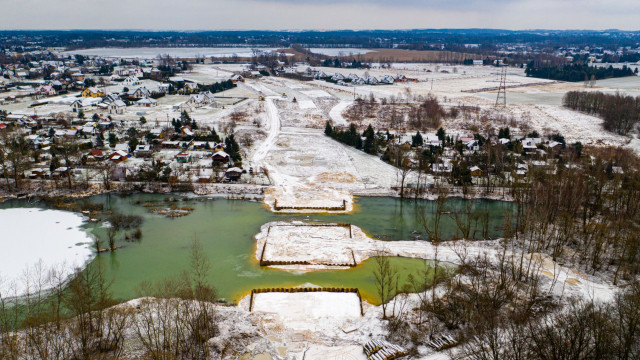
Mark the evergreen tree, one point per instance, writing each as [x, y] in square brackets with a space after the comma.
[133, 143]
[214, 136]
[417, 140]
[328, 130]
[184, 117]
[504, 133]
[112, 140]
[370, 146]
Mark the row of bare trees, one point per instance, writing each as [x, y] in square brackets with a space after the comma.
[620, 112]
[78, 319]
[585, 216]
[582, 331]
[17, 156]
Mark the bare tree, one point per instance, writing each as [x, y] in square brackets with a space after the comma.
[385, 276]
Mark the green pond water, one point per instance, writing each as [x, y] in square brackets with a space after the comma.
[226, 230]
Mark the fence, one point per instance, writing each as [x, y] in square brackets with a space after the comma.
[324, 208]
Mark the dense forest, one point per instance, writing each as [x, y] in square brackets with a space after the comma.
[424, 39]
[576, 72]
[620, 112]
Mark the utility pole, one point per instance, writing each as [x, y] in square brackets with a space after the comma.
[502, 90]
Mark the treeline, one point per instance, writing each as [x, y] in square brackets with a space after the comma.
[583, 331]
[409, 39]
[371, 143]
[353, 64]
[218, 86]
[620, 112]
[585, 217]
[576, 72]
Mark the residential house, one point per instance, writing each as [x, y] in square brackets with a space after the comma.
[131, 81]
[139, 93]
[400, 78]
[237, 78]
[92, 92]
[119, 156]
[189, 88]
[77, 76]
[116, 107]
[95, 155]
[371, 80]
[142, 151]
[186, 131]
[387, 80]
[337, 77]
[475, 171]
[89, 128]
[164, 88]
[84, 104]
[233, 174]
[220, 157]
[442, 167]
[46, 90]
[531, 144]
[147, 102]
[183, 157]
[157, 132]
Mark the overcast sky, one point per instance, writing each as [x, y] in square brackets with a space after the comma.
[319, 14]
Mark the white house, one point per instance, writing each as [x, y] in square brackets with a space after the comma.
[140, 92]
[387, 79]
[116, 107]
[147, 102]
[131, 81]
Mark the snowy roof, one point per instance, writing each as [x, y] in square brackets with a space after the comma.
[221, 153]
[147, 100]
[122, 147]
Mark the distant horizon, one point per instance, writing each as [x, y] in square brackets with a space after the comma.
[327, 15]
[321, 30]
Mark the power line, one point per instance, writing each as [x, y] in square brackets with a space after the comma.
[502, 90]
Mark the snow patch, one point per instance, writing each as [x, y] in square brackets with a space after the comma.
[34, 240]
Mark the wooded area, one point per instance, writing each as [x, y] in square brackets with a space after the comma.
[620, 112]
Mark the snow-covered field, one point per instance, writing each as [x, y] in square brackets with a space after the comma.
[340, 51]
[308, 169]
[297, 309]
[152, 53]
[35, 241]
[306, 239]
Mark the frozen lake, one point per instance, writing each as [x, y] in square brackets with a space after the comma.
[184, 52]
[32, 238]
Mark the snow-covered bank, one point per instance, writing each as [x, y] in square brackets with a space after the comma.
[318, 246]
[321, 245]
[34, 241]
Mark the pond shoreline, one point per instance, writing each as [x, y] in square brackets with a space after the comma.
[230, 191]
